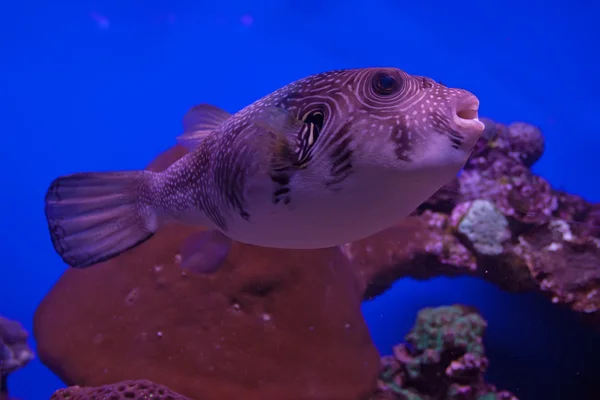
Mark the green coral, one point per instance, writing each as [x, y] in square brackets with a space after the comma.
[448, 327]
[443, 359]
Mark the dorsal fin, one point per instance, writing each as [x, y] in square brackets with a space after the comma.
[199, 122]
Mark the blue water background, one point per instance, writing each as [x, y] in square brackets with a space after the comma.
[101, 85]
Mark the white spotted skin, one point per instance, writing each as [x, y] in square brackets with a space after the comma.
[401, 153]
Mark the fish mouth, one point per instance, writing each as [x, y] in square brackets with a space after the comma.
[466, 115]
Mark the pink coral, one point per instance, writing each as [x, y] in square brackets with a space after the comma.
[529, 199]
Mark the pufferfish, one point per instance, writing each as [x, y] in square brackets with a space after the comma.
[325, 160]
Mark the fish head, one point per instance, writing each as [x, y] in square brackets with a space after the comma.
[396, 119]
[406, 122]
[383, 130]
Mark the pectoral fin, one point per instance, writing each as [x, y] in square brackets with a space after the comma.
[283, 130]
[204, 252]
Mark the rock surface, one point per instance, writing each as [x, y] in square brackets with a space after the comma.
[273, 324]
[499, 222]
[15, 352]
[128, 390]
[443, 358]
[251, 330]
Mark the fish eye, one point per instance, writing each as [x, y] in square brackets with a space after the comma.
[384, 84]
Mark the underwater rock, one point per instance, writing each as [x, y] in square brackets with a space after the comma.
[443, 358]
[15, 353]
[566, 266]
[443, 200]
[507, 226]
[128, 390]
[268, 324]
[252, 328]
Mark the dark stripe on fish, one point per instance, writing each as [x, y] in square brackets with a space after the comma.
[230, 177]
[282, 192]
[402, 141]
[341, 157]
[456, 138]
[307, 138]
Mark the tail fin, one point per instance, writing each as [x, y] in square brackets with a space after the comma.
[93, 217]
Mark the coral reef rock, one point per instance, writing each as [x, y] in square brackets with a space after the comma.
[281, 324]
[442, 359]
[497, 221]
[15, 353]
[268, 324]
[129, 390]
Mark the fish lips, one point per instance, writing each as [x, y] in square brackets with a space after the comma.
[465, 118]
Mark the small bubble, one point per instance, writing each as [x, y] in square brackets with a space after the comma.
[266, 317]
[237, 306]
[159, 334]
[347, 326]
[158, 268]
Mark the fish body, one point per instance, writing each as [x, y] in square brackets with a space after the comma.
[325, 160]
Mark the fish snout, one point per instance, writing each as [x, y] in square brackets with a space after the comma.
[465, 116]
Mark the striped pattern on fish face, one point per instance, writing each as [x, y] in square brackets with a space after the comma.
[386, 118]
[381, 142]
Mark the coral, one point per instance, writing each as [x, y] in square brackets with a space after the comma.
[520, 141]
[507, 226]
[483, 225]
[524, 142]
[128, 390]
[443, 358]
[15, 353]
[252, 328]
[444, 199]
[592, 221]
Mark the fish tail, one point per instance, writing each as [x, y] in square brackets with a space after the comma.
[93, 217]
